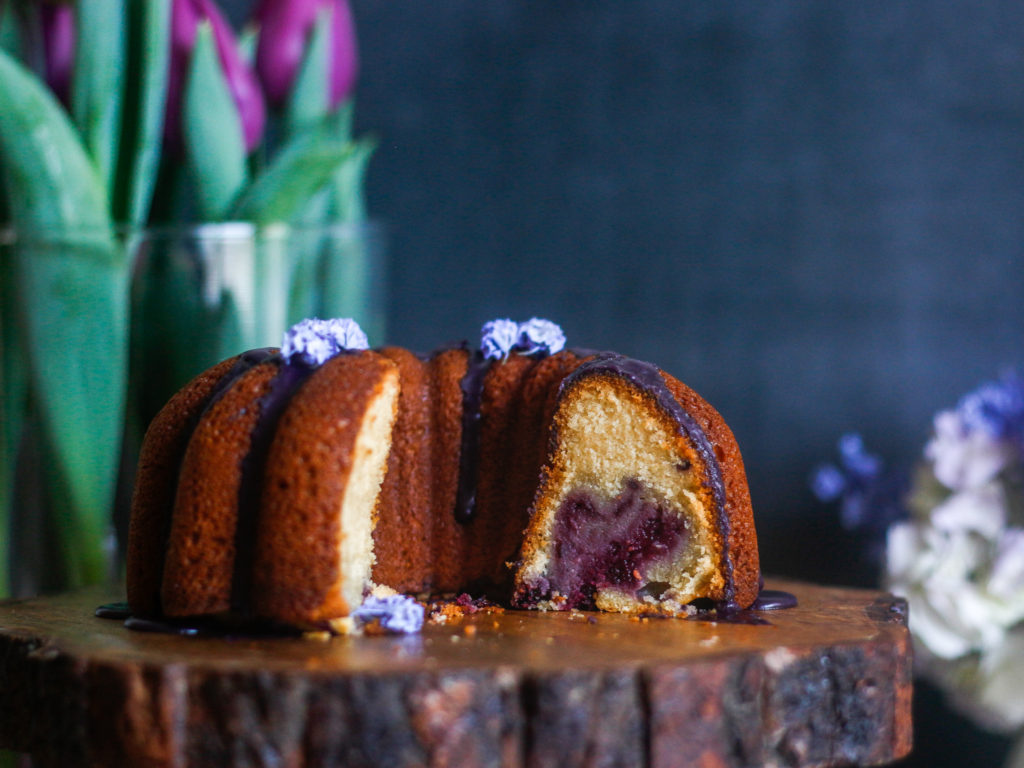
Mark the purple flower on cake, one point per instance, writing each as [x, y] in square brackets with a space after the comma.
[394, 613]
[314, 341]
[538, 335]
[499, 338]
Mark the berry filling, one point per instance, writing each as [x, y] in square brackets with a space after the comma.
[601, 543]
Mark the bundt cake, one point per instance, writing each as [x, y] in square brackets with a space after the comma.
[283, 484]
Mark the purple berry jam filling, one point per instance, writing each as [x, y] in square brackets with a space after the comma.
[600, 544]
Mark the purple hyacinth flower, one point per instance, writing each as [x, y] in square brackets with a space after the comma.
[185, 18]
[996, 407]
[285, 28]
[59, 47]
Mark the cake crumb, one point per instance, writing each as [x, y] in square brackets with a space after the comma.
[469, 630]
[346, 625]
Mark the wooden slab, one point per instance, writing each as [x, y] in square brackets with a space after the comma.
[827, 683]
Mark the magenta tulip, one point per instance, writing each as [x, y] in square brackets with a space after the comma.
[241, 80]
[58, 22]
[285, 28]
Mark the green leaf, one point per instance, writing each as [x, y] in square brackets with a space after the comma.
[302, 168]
[10, 34]
[72, 308]
[96, 88]
[149, 25]
[50, 179]
[213, 130]
[339, 122]
[248, 40]
[309, 100]
[13, 389]
[74, 315]
[348, 182]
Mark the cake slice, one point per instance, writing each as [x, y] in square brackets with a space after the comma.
[314, 539]
[642, 505]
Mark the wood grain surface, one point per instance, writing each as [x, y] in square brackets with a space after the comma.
[826, 683]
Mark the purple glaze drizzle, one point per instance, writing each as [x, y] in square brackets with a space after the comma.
[647, 377]
[245, 362]
[774, 600]
[283, 387]
[116, 611]
[472, 386]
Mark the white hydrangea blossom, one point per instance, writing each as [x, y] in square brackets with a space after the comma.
[960, 564]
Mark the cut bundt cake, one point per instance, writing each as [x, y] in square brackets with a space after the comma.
[642, 505]
[284, 484]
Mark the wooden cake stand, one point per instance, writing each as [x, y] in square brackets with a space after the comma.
[826, 683]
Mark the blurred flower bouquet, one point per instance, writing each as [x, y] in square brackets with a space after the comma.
[170, 193]
[954, 546]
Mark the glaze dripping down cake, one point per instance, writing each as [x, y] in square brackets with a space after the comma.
[284, 484]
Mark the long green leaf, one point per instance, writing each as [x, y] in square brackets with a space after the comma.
[71, 279]
[51, 181]
[96, 89]
[347, 185]
[309, 100]
[12, 406]
[213, 131]
[10, 35]
[302, 168]
[74, 311]
[149, 25]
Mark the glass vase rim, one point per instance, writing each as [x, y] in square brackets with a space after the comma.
[11, 234]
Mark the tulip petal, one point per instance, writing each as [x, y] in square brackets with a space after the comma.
[214, 141]
[96, 86]
[309, 100]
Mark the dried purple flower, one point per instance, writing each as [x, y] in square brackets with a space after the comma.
[539, 335]
[498, 337]
[314, 341]
[394, 613]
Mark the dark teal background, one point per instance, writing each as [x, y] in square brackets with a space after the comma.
[811, 212]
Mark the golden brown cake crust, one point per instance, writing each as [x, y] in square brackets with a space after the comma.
[742, 544]
[404, 532]
[449, 545]
[297, 575]
[153, 499]
[199, 569]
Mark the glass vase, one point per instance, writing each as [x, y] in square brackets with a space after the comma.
[99, 329]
